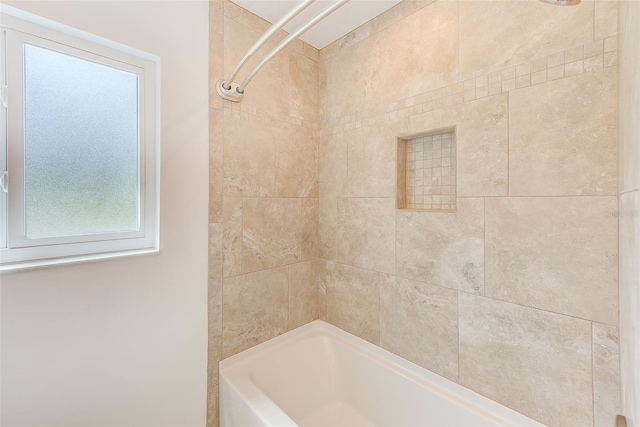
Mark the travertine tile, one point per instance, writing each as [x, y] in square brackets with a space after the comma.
[232, 236]
[272, 233]
[345, 76]
[328, 227]
[523, 81]
[215, 320]
[508, 85]
[606, 375]
[561, 143]
[606, 18]
[557, 254]
[430, 177]
[323, 112]
[232, 10]
[481, 142]
[296, 162]
[322, 291]
[296, 46]
[371, 165]
[377, 24]
[610, 44]
[303, 95]
[574, 54]
[594, 49]
[523, 69]
[629, 217]
[244, 17]
[310, 239]
[593, 63]
[443, 249]
[249, 159]
[555, 73]
[429, 58]
[255, 308]
[216, 230]
[353, 298]
[420, 323]
[310, 52]
[556, 59]
[420, 52]
[539, 64]
[265, 91]
[539, 77]
[573, 68]
[216, 233]
[212, 383]
[509, 73]
[303, 293]
[518, 31]
[332, 172]
[401, 173]
[610, 59]
[495, 88]
[366, 233]
[216, 138]
[536, 362]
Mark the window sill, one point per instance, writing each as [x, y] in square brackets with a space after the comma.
[44, 263]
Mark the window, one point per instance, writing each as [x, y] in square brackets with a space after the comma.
[80, 145]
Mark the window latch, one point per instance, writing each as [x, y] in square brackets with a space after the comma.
[3, 95]
[4, 181]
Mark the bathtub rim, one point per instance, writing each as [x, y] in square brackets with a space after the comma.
[236, 372]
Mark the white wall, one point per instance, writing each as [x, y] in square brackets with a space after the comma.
[123, 342]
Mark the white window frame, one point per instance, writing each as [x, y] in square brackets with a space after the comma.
[17, 251]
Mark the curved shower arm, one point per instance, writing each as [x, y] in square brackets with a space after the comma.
[262, 40]
[291, 37]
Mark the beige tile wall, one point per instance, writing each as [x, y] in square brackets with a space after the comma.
[263, 251]
[515, 294]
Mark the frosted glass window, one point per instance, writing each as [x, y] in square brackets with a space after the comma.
[81, 172]
[81, 146]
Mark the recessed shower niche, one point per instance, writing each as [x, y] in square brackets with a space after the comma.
[426, 171]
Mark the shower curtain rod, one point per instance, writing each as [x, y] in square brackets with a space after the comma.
[225, 87]
[263, 39]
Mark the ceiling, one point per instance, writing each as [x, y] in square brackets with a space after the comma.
[342, 21]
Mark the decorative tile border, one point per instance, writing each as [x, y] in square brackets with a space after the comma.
[577, 60]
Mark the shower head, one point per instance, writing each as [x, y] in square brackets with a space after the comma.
[562, 2]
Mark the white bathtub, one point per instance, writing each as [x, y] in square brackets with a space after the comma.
[319, 375]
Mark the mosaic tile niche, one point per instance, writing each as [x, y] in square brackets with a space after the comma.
[427, 172]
